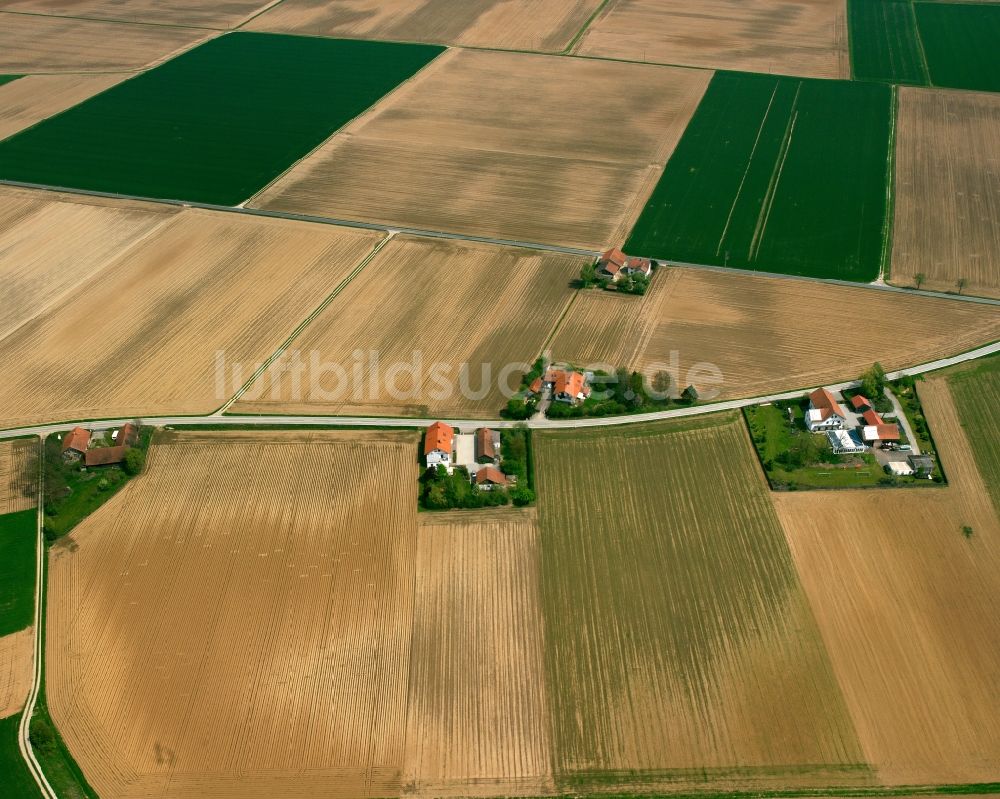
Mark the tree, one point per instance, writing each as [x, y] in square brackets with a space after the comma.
[588, 275]
[135, 459]
[961, 283]
[518, 408]
[919, 279]
[522, 495]
[873, 381]
[663, 384]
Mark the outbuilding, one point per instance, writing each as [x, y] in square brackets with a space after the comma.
[75, 443]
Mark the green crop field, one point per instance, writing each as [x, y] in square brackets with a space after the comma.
[885, 45]
[976, 393]
[8, 78]
[779, 175]
[962, 42]
[15, 779]
[18, 537]
[215, 124]
[680, 646]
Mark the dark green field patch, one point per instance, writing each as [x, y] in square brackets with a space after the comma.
[885, 45]
[776, 174]
[215, 124]
[8, 78]
[18, 538]
[15, 779]
[962, 43]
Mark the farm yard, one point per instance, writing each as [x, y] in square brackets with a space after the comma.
[802, 37]
[947, 224]
[30, 43]
[478, 722]
[50, 244]
[755, 184]
[261, 592]
[505, 24]
[905, 602]
[499, 308]
[36, 97]
[679, 641]
[18, 475]
[764, 333]
[152, 346]
[216, 124]
[457, 149]
[190, 13]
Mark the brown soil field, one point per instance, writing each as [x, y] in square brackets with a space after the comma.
[50, 244]
[142, 336]
[16, 664]
[442, 302]
[788, 37]
[458, 149]
[478, 720]
[762, 332]
[506, 24]
[680, 642]
[907, 608]
[31, 43]
[948, 190]
[237, 620]
[18, 475]
[31, 99]
[225, 14]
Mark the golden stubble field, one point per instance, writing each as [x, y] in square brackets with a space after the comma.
[680, 642]
[948, 190]
[143, 334]
[432, 305]
[31, 43]
[237, 621]
[788, 37]
[18, 475]
[223, 14]
[506, 24]
[766, 334]
[478, 720]
[459, 149]
[51, 243]
[31, 99]
[16, 665]
[907, 608]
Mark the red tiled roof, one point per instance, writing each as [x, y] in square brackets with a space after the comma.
[76, 439]
[613, 257]
[570, 383]
[128, 434]
[887, 432]
[859, 401]
[491, 474]
[484, 444]
[103, 456]
[871, 417]
[641, 264]
[439, 436]
[825, 403]
[536, 385]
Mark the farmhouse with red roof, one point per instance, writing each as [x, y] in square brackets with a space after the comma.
[824, 412]
[614, 264]
[75, 443]
[439, 445]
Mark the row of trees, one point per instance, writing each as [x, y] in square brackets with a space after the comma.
[920, 278]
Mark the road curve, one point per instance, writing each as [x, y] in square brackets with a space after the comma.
[540, 424]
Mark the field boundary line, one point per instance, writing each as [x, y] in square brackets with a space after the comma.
[112, 21]
[305, 323]
[24, 728]
[276, 420]
[253, 15]
[920, 45]
[889, 224]
[772, 187]
[568, 49]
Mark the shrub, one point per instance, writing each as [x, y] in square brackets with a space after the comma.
[522, 495]
[135, 459]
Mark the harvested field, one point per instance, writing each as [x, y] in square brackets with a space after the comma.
[975, 390]
[216, 124]
[789, 37]
[195, 13]
[16, 664]
[241, 583]
[36, 97]
[679, 641]
[18, 475]
[757, 183]
[498, 309]
[478, 720]
[906, 604]
[507, 24]
[458, 149]
[757, 330]
[51, 244]
[142, 337]
[948, 191]
[31, 43]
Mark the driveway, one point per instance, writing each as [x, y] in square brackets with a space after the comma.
[903, 422]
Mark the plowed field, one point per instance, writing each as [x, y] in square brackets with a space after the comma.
[16, 663]
[18, 475]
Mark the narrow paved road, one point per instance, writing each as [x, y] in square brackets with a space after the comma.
[542, 424]
[904, 422]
